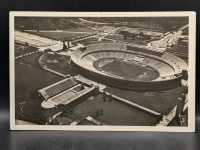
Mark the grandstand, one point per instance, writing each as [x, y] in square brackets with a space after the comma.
[57, 88]
[169, 39]
[142, 69]
[64, 92]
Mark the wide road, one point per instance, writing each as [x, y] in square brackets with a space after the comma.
[41, 43]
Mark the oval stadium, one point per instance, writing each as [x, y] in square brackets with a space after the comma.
[129, 67]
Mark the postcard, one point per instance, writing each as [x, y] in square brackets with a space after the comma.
[102, 71]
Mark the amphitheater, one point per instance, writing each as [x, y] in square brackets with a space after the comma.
[136, 68]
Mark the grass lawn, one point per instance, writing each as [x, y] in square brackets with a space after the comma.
[29, 77]
[59, 63]
[112, 112]
[61, 35]
[159, 101]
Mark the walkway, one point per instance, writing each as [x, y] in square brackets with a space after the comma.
[55, 72]
[136, 105]
[26, 54]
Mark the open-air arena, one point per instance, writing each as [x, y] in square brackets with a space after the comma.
[100, 71]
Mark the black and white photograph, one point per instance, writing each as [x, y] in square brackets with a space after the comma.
[102, 71]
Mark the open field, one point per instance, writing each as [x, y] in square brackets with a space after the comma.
[29, 77]
[59, 63]
[62, 35]
[111, 112]
[160, 101]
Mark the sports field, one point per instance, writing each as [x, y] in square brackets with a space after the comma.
[62, 35]
[129, 71]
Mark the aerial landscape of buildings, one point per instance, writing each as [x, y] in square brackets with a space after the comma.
[129, 71]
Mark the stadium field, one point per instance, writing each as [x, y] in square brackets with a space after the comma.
[130, 71]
